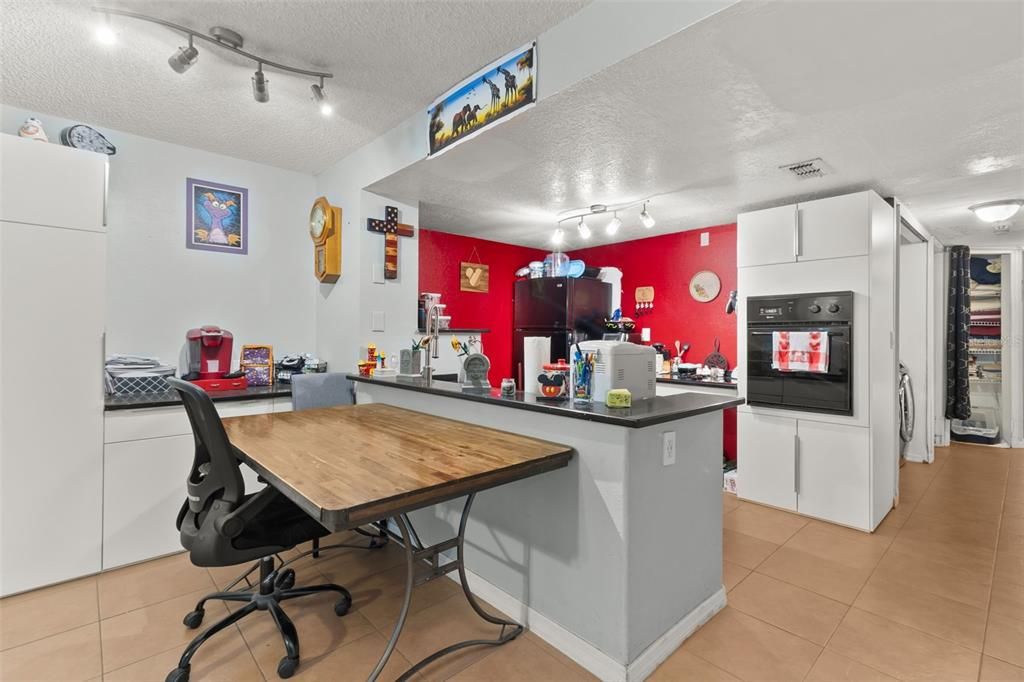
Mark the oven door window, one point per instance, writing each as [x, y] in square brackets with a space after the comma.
[827, 392]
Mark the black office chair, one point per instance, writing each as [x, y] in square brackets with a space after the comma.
[222, 526]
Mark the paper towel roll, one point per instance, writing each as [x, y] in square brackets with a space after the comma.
[536, 352]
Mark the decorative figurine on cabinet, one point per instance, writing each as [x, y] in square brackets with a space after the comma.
[32, 128]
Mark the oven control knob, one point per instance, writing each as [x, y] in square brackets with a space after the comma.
[815, 308]
[833, 308]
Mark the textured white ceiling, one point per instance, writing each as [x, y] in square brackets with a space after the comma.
[918, 100]
[390, 59]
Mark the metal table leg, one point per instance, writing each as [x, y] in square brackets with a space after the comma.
[509, 629]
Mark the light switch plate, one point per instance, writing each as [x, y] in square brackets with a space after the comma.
[705, 238]
[377, 321]
[645, 334]
[378, 273]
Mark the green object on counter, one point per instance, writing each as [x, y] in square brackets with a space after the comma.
[619, 397]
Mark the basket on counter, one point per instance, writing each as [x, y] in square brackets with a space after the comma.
[258, 364]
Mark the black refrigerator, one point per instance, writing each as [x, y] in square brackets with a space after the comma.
[566, 309]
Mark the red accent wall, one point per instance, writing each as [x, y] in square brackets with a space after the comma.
[667, 262]
[440, 256]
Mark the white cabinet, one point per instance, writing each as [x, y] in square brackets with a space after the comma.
[143, 489]
[833, 472]
[146, 459]
[52, 185]
[767, 459]
[52, 302]
[766, 237]
[811, 467]
[836, 227]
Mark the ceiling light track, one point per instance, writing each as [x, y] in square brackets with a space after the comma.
[580, 214]
[222, 38]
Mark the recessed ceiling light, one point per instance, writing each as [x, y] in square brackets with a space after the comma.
[104, 32]
[997, 211]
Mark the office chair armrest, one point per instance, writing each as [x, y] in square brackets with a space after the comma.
[232, 524]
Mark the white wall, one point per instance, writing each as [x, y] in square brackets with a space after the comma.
[157, 289]
[567, 55]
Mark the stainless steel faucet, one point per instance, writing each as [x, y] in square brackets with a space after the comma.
[433, 323]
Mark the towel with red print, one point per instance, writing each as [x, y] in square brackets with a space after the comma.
[800, 352]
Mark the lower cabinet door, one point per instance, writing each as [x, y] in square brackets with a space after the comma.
[834, 473]
[766, 459]
[143, 490]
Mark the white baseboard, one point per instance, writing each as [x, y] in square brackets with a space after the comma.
[595, 661]
[644, 665]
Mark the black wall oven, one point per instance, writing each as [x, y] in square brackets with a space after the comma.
[828, 389]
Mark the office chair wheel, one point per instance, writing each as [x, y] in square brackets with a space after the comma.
[177, 675]
[285, 669]
[192, 620]
[342, 606]
[286, 579]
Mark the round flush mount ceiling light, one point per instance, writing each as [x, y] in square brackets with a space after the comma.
[997, 211]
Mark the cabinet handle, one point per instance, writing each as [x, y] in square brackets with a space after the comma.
[796, 232]
[796, 464]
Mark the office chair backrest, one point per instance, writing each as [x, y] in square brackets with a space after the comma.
[310, 391]
[215, 474]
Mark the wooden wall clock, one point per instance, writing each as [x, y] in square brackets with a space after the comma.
[325, 231]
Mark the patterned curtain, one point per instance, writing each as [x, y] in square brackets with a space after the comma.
[958, 322]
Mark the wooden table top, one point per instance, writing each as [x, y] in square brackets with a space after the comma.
[354, 464]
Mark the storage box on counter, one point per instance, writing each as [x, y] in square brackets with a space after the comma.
[127, 384]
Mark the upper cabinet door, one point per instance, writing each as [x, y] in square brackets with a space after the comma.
[837, 227]
[766, 237]
[52, 185]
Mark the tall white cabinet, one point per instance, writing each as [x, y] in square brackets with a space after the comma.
[839, 468]
[52, 309]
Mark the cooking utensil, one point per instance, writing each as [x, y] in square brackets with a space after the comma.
[716, 360]
[679, 349]
[686, 348]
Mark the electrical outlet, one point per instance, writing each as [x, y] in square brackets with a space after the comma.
[668, 448]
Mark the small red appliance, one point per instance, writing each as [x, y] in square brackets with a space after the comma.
[209, 359]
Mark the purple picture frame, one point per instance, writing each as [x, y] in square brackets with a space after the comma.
[217, 217]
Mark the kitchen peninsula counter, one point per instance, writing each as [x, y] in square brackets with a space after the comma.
[615, 559]
[642, 413]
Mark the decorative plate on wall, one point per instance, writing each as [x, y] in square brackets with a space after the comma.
[705, 286]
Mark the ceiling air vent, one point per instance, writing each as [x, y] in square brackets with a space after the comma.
[815, 168]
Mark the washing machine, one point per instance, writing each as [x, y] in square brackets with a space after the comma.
[906, 401]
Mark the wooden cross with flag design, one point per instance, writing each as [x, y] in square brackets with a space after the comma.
[392, 230]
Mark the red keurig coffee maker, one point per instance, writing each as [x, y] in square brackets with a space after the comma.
[209, 359]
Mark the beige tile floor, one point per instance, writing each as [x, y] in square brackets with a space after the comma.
[937, 593]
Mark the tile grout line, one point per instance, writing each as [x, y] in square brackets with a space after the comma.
[999, 528]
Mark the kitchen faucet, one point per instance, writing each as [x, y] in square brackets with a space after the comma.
[433, 323]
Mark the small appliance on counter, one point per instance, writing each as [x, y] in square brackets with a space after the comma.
[208, 352]
[297, 364]
[622, 365]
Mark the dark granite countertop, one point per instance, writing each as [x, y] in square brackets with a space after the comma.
[134, 401]
[648, 412]
[694, 381]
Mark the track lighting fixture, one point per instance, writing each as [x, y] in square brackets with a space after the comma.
[646, 218]
[260, 86]
[320, 97]
[223, 38]
[182, 60]
[611, 228]
[558, 237]
[613, 225]
[583, 229]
